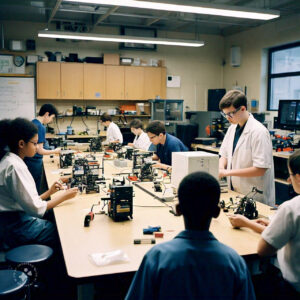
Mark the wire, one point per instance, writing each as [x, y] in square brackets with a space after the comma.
[84, 123]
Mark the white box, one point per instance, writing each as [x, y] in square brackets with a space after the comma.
[184, 163]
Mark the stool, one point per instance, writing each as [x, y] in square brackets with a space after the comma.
[30, 259]
[13, 284]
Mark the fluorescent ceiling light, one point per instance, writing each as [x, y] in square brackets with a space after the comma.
[118, 38]
[192, 7]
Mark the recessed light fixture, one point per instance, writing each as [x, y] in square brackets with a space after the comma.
[191, 7]
[118, 38]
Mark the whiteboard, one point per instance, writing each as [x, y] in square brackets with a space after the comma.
[17, 98]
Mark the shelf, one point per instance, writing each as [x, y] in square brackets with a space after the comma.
[135, 116]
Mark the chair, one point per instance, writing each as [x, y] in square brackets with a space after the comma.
[13, 285]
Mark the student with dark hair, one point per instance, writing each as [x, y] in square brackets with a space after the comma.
[194, 265]
[166, 144]
[21, 208]
[141, 140]
[113, 133]
[35, 164]
[281, 235]
[246, 151]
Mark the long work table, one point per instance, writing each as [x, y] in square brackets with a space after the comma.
[104, 235]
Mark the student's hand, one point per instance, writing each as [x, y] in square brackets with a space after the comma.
[223, 173]
[130, 144]
[57, 151]
[56, 186]
[161, 166]
[262, 221]
[238, 221]
[70, 193]
[64, 179]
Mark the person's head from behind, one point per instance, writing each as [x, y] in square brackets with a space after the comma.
[105, 119]
[20, 136]
[294, 171]
[156, 131]
[199, 195]
[233, 105]
[136, 126]
[48, 112]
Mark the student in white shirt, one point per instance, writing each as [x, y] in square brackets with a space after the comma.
[141, 140]
[282, 235]
[113, 133]
[21, 208]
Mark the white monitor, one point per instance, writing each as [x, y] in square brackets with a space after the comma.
[184, 163]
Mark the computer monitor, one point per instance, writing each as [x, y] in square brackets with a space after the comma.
[289, 114]
[213, 99]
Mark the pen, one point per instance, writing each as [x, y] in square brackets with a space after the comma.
[144, 241]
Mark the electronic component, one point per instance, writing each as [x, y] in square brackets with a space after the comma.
[120, 203]
[66, 158]
[95, 145]
[247, 205]
[144, 241]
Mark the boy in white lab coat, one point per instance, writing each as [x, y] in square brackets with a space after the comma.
[141, 140]
[246, 151]
[113, 134]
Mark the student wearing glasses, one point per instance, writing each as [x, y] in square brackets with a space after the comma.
[35, 164]
[21, 207]
[246, 157]
[165, 144]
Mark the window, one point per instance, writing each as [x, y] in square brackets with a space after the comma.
[284, 74]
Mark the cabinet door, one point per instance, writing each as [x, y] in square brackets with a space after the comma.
[48, 80]
[153, 83]
[115, 82]
[71, 80]
[93, 81]
[134, 83]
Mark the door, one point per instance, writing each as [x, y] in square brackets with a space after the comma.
[134, 83]
[115, 82]
[48, 80]
[93, 81]
[72, 81]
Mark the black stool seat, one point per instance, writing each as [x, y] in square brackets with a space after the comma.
[11, 282]
[29, 254]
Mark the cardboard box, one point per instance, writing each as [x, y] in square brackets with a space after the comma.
[143, 108]
[111, 59]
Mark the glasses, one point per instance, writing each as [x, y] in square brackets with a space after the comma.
[34, 143]
[230, 114]
[152, 137]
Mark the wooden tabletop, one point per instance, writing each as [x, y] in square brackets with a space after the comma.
[104, 235]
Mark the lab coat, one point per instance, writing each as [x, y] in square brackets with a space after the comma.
[113, 133]
[254, 149]
[142, 141]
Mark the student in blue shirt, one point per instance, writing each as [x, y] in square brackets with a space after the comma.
[166, 144]
[35, 164]
[194, 265]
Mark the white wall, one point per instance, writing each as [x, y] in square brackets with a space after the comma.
[254, 45]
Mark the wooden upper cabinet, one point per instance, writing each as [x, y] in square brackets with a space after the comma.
[153, 83]
[163, 90]
[134, 83]
[94, 82]
[48, 80]
[71, 81]
[115, 82]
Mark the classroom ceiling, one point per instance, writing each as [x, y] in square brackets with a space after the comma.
[86, 17]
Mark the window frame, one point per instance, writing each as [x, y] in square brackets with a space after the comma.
[278, 75]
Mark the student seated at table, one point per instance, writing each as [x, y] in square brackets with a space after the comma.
[141, 140]
[21, 208]
[282, 235]
[194, 265]
[113, 133]
[165, 144]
